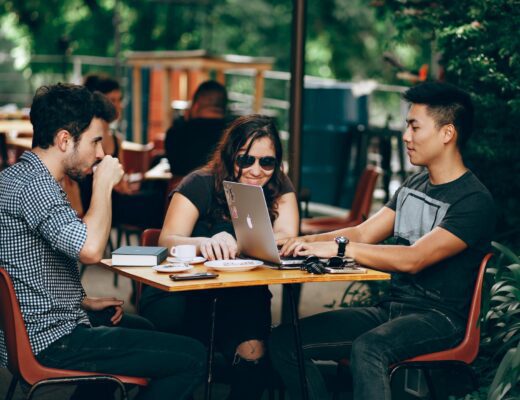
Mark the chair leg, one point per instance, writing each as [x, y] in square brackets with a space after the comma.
[58, 381]
[473, 378]
[341, 372]
[429, 383]
[12, 387]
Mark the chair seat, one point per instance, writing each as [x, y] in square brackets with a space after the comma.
[21, 361]
[40, 372]
[360, 210]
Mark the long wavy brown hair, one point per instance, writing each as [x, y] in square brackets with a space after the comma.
[222, 165]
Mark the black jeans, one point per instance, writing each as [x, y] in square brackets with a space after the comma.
[373, 338]
[243, 313]
[175, 364]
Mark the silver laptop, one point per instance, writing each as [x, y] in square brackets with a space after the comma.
[253, 229]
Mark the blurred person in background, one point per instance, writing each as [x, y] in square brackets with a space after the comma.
[191, 141]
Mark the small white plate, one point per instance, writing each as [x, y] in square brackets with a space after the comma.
[233, 265]
[177, 267]
[194, 260]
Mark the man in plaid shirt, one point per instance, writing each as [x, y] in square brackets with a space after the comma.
[42, 238]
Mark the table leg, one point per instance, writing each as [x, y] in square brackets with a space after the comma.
[211, 349]
[298, 342]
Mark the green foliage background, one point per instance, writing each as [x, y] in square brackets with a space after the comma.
[477, 41]
[480, 50]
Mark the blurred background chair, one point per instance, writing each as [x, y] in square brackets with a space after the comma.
[23, 364]
[360, 210]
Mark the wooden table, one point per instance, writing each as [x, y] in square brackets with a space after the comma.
[257, 277]
[16, 125]
[20, 142]
[161, 172]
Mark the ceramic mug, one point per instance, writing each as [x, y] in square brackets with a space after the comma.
[184, 252]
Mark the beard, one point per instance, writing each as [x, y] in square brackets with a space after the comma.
[74, 168]
[76, 174]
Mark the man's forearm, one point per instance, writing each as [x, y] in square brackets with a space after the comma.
[99, 222]
[352, 233]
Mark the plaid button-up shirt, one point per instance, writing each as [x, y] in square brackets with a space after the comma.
[40, 240]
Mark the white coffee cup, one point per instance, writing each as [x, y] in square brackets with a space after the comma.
[184, 252]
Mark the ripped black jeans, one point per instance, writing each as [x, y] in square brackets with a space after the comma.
[243, 313]
[372, 338]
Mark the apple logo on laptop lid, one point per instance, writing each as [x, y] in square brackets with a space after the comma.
[249, 221]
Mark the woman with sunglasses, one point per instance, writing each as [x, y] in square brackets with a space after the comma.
[250, 152]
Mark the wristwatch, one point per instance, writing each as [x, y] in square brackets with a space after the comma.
[342, 242]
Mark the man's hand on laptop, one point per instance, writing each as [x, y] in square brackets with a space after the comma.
[288, 245]
[101, 303]
[320, 249]
[221, 246]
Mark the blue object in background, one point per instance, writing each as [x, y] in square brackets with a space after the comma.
[328, 145]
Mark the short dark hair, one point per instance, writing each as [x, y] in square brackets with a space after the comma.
[103, 108]
[99, 82]
[211, 94]
[446, 104]
[57, 107]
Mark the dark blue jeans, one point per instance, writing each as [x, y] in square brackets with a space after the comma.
[372, 338]
[175, 364]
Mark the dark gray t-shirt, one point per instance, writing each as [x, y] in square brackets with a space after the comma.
[199, 188]
[463, 207]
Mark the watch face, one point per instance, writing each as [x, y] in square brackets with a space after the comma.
[340, 239]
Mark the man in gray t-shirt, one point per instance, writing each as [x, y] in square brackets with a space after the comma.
[442, 220]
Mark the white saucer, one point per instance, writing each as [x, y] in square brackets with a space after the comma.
[176, 267]
[233, 265]
[194, 260]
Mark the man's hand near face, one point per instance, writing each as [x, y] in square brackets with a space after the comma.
[108, 173]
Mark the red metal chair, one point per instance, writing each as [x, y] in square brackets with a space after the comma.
[23, 364]
[359, 211]
[462, 355]
[149, 237]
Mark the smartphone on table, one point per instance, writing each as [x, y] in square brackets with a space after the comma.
[193, 276]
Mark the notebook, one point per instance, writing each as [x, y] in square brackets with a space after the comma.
[253, 229]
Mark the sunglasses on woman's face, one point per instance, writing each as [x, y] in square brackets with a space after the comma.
[246, 161]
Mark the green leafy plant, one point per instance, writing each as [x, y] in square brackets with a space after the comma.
[478, 45]
[504, 385]
[498, 363]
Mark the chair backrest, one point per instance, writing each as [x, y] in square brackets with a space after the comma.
[362, 201]
[21, 359]
[467, 350]
[11, 321]
[150, 237]
[136, 157]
